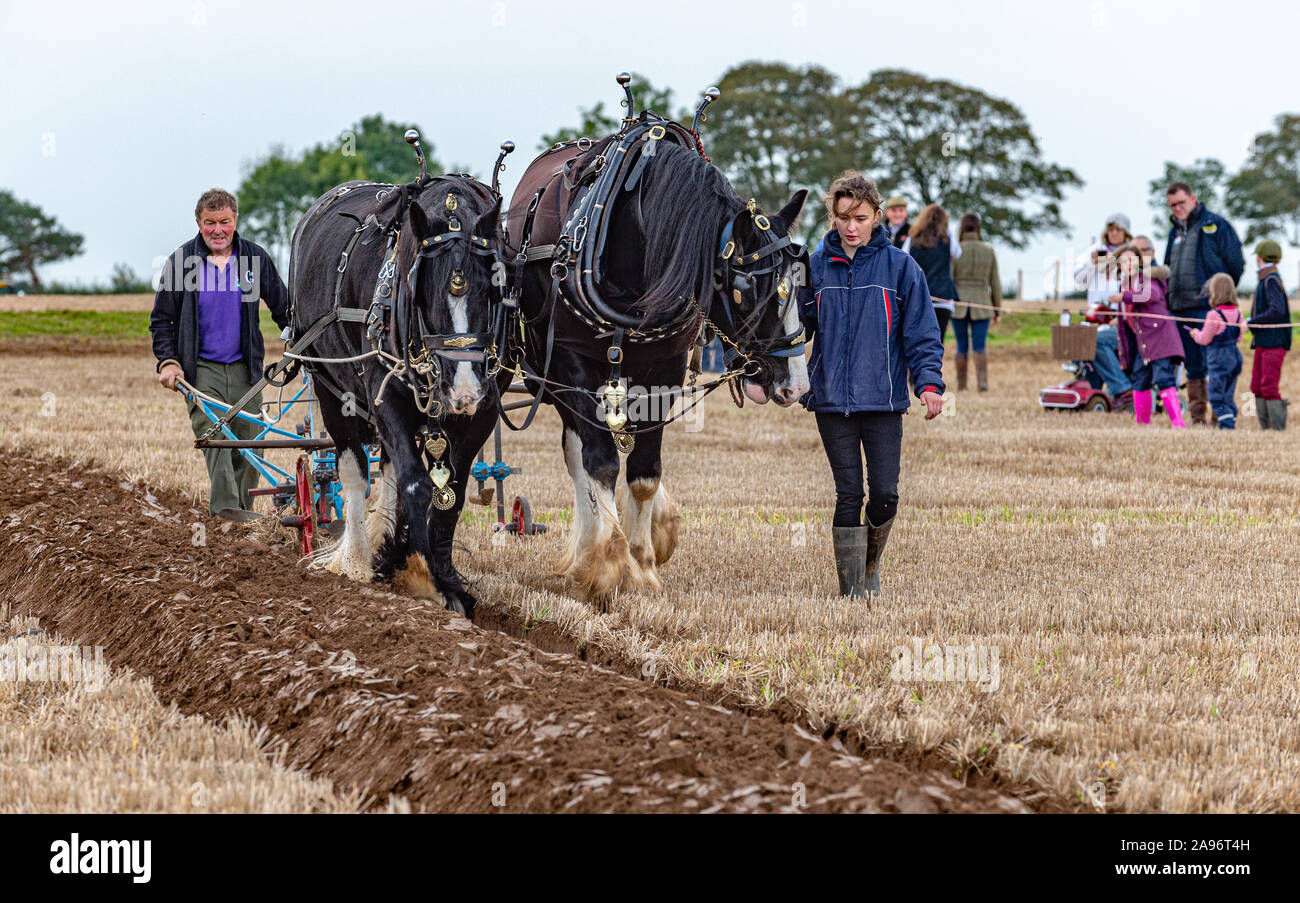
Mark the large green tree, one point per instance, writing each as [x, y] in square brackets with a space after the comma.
[1266, 190]
[597, 122]
[1206, 177]
[279, 187]
[30, 237]
[777, 128]
[276, 192]
[936, 141]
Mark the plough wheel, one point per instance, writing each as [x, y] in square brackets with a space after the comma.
[306, 505]
[522, 517]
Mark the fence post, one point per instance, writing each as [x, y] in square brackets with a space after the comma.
[1020, 285]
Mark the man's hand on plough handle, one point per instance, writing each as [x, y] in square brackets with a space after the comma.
[169, 375]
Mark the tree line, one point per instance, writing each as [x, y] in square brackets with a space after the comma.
[775, 129]
[1264, 193]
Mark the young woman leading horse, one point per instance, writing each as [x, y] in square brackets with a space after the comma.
[874, 323]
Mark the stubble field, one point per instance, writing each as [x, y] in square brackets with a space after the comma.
[1129, 593]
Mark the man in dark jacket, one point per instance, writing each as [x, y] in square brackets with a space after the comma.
[1201, 244]
[1270, 344]
[206, 329]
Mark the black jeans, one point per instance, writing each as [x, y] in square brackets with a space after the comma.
[846, 437]
[943, 315]
[1193, 352]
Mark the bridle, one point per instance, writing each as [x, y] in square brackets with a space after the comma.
[452, 346]
[417, 348]
[736, 274]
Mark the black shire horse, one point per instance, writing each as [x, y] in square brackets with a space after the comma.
[649, 237]
[412, 270]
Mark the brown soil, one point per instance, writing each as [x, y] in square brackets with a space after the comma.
[383, 692]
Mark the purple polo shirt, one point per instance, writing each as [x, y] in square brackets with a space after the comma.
[219, 312]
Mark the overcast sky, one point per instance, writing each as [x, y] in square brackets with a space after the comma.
[118, 115]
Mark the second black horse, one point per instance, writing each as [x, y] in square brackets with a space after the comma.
[623, 247]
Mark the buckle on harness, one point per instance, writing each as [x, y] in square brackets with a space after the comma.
[614, 355]
[659, 129]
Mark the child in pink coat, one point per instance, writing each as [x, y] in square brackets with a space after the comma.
[1148, 344]
[1222, 332]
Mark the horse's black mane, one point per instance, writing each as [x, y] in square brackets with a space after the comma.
[690, 200]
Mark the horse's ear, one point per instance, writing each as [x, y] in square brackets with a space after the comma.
[790, 212]
[486, 226]
[743, 229]
[419, 221]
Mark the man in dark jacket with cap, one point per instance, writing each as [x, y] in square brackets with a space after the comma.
[1271, 344]
[1201, 244]
[896, 220]
[206, 329]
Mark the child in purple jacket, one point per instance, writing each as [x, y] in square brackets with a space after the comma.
[1153, 339]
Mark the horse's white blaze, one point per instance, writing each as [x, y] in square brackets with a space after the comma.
[465, 389]
[351, 555]
[796, 383]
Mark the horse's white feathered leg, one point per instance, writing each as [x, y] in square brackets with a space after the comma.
[350, 557]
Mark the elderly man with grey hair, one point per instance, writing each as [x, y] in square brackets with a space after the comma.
[206, 330]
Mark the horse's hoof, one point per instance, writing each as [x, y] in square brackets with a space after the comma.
[461, 604]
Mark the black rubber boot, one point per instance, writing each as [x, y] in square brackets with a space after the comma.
[876, 539]
[850, 559]
[1261, 412]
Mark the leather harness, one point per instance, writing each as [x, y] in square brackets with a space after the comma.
[591, 183]
[393, 322]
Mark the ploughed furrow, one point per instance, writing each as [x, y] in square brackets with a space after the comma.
[393, 696]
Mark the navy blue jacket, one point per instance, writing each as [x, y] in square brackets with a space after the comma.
[936, 263]
[1270, 307]
[1218, 250]
[873, 323]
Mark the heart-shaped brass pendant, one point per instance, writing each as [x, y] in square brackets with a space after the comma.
[440, 474]
[436, 445]
[614, 394]
[616, 419]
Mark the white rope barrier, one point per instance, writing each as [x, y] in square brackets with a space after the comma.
[1116, 313]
